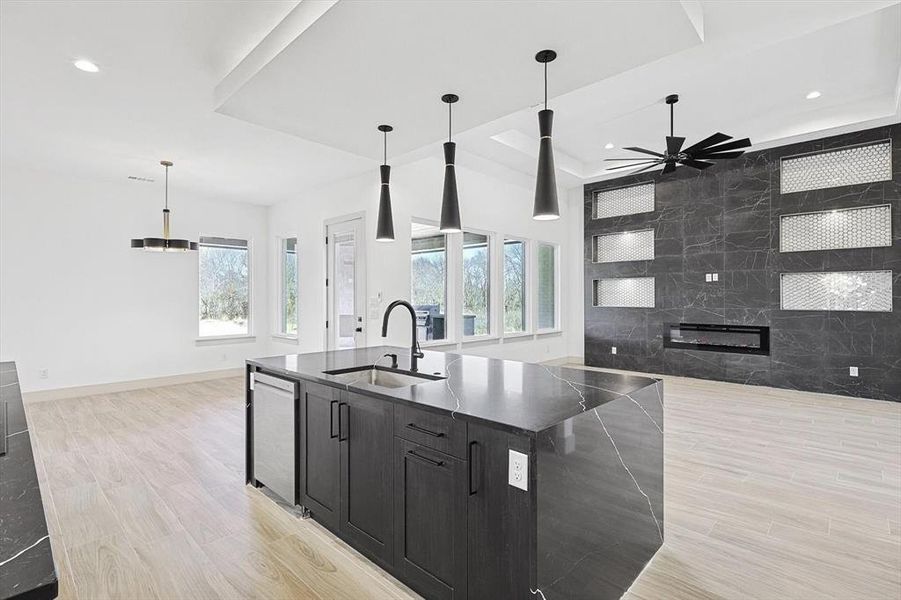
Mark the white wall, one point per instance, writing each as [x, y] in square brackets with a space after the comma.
[486, 204]
[575, 303]
[77, 301]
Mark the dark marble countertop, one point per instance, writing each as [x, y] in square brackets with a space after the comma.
[518, 396]
[26, 560]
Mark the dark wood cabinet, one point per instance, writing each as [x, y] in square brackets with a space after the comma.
[500, 518]
[430, 494]
[366, 436]
[319, 453]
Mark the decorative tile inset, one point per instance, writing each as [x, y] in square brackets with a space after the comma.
[624, 246]
[625, 292]
[865, 227]
[851, 165]
[869, 291]
[623, 201]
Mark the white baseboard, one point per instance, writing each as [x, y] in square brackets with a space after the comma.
[124, 386]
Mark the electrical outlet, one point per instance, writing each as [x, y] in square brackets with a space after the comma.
[852, 371]
[613, 350]
[708, 277]
[43, 373]
[518, 472]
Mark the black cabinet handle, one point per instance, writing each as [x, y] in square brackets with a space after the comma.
[331, 420]
[437, 463]
[474, 471]
[342, 435]
[416, 427]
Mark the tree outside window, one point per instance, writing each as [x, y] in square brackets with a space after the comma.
[224, 287]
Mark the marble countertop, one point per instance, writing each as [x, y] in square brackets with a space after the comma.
[26, 560]
[518, 396]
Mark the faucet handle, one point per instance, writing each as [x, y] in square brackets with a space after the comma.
[393, 359]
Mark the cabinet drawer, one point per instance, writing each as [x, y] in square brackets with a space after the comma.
[441, 432]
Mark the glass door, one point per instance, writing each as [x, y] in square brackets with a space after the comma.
[345, 285]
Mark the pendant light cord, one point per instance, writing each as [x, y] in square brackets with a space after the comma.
[545, 86]
[672, 108]
[449, 129]
[167, 188]
[385, 161]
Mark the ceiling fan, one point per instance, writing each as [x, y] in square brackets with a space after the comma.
[696, 156]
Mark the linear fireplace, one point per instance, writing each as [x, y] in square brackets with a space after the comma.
[742, 339]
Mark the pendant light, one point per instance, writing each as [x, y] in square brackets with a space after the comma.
[450, 204]
[165, 243]
[546, 207]
[385, 230]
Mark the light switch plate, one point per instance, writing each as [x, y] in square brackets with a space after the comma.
[708, 277]
[518, 470]
[852, 371]
[716, 276]
[613, 350]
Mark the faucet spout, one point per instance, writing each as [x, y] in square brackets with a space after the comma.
[415, 352]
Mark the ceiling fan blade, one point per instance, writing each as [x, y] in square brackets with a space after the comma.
[733, 145]
[696, 164]
[674, 144]
[714, 139]
[632, 166]
[634, 158]
[669, 168]
[718, 155]
[642, 150]
[644, 169]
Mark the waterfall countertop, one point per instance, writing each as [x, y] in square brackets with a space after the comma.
[518, 396]
[26, 560]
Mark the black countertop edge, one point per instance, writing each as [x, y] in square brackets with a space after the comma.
[27, 571]
[519, 397]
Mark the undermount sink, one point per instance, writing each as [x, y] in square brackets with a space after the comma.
[380, 376]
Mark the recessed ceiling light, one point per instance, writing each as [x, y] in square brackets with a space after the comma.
[813, 94]
[608, 146]
[86, 66]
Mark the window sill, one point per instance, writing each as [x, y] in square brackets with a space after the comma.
[549, 332]
[436, 343]
[517, 335]
[475, 339]
[225, 339]
[285, 338]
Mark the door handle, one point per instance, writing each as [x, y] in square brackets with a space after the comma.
[416, 427]
[474, 474]
[436, 463]
[342, 435]
[331, 420]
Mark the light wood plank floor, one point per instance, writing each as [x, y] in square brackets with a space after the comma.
[769, 494]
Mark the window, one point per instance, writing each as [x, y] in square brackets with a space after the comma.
[476, 284]
[287, 298]
[224, 287]
[514, 286]
[428, 281]
[547, 292]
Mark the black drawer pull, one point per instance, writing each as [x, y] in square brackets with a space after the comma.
[342, 434]
[332, 433]
[437, 463]
[474, 470]
[416, 427]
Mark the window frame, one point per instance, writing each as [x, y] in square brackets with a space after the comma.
[250, 292]
[557, 327]
[450, 250]
[492, 288]
[280, 332]
[527, 287]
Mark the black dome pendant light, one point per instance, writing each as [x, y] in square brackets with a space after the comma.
[450, 204]
[165, 243]
[385, 230]
[546, 207]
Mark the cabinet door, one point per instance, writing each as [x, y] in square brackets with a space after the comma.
[500, 518]
[366, 435]
[430, 521]
[319, 453]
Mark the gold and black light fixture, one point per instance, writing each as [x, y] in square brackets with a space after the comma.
[450, 204]
[165, 243]
[385, 229]
[545, 207]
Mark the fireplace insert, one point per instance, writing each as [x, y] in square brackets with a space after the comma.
[741, 339]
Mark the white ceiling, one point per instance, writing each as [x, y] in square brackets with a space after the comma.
[306, 92]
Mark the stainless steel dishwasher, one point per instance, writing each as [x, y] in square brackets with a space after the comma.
[274, 425]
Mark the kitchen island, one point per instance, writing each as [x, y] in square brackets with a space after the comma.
[473, 477]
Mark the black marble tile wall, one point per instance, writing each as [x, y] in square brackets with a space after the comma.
[725, 220]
